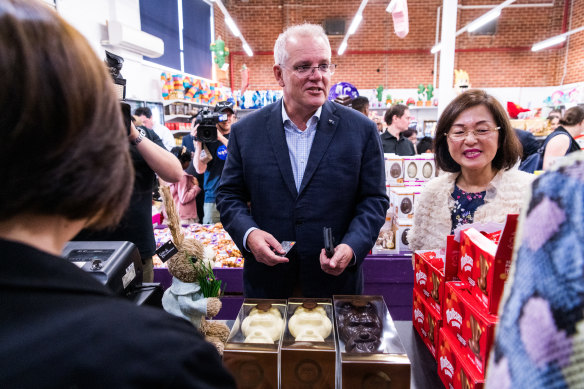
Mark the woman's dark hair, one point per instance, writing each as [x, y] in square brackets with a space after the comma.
[57, 102]
[424, 145]
[181, 153]
[397, 109]
[573, 116]
[509, 150]
[409, 132]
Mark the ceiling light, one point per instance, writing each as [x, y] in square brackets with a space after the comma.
[342, 48]
[555, 40]
[486, 18]
[354, 24]
[247, 50]
[232, 26]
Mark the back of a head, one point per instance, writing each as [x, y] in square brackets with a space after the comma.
[360, 103]
[573, 116]
[310, 30]
[57, 102]
[395, 110]
[509, 150]
[143, 111]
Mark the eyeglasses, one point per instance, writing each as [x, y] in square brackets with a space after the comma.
[459, 134]
[305, 70]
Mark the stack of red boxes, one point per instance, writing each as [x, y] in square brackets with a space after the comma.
[463, 331]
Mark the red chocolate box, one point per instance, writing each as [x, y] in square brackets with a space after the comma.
[484, 265]
[454, 371]
[426, 321]
[429, 274]
[469, 322]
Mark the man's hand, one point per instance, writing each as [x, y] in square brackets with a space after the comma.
[262, 246]
[336, 265]
[194, 132]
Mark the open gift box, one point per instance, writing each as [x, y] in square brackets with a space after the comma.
[369, 349]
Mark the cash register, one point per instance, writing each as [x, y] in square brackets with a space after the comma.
[118, 266]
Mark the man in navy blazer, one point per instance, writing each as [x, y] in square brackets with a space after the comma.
[296, 166]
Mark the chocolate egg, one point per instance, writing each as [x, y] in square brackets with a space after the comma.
[395, 170]
[412, 170]
[406, 206]
[404, 237]
[427, 170]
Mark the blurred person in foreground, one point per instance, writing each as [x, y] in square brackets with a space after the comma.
[303, 163]
[60, 327]
[477, 147]
[539, 340]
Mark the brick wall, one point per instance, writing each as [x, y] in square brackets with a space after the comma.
[502, 60]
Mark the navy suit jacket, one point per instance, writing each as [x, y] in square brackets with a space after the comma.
[343, 188]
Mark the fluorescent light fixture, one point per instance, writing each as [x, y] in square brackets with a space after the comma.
[548, 43]
[342, 48]
[391, 6]
[486, 18]
[232, 26]
[436, 48]
[354, 24]
[247, 50]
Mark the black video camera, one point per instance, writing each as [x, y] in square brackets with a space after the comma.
[114, 65]
[207, 121]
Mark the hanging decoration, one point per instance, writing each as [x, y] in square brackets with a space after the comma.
[244, 78]
[221, 52]
[399, 14]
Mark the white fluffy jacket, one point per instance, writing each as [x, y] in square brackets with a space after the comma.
[432, 218]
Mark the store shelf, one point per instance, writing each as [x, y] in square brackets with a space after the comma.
[180, 132]
[411, 108]
[172, 117]
[169, 102]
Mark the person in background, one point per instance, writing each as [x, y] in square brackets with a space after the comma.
[528, 142]
[303, 163]
[539, 337]
[146, 118]
[425, 145]
[213, 167]
[185, 192]
[561, 141]
[412, 135]
[553, 119]
[477, 148]
[398, 119]
[61, 328]
[361, 104]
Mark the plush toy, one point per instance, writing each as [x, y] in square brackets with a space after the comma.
[461, 81]
[194, 292]
[380, 93]
[221, 52]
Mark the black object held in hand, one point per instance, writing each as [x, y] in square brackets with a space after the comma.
[127, 116]
[329, 246]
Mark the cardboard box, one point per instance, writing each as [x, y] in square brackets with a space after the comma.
[455, 372]
[430, 277]
[255, 364]
[484, 265]
[305, 360]
[402, 202]
[384, 360]
[426, 321]
[470, 323]
[394, 170]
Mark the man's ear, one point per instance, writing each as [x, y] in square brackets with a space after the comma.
[278, 75]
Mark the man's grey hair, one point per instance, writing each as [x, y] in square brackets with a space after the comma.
[306, 29]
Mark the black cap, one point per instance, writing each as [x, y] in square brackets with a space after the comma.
[223, 106]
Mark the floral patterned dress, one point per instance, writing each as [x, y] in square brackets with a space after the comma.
[465, 205]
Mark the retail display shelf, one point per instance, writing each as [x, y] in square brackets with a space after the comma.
[172, 117]
[169, 102]
[390, 276]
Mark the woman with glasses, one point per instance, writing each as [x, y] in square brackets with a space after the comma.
[477, 148]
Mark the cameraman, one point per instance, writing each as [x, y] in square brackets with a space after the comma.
[211, 161]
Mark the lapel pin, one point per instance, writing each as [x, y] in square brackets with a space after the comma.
[331, 121]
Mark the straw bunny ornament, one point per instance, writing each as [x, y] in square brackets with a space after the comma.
[194, 292]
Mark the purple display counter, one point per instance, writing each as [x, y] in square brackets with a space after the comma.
[390, 276]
